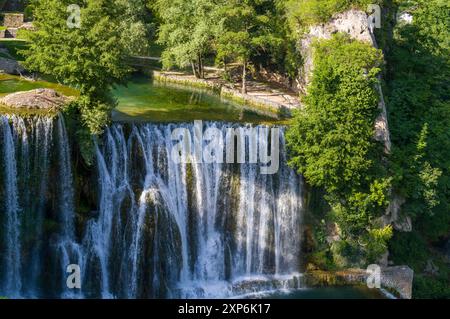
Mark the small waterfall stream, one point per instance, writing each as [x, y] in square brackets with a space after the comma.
[161, 229]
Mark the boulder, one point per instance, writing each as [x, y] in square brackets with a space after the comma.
[39, 99]
[10, 66]
[398, 278]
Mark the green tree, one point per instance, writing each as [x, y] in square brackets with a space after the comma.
[187, 30]
[331, 142]
[419, 115]
[91, 58]
[246, 27]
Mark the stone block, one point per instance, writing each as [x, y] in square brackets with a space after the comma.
[13, 20]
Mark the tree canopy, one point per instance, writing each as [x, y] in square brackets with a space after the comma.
[92, 57]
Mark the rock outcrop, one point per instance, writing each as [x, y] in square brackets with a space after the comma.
[394, 217]
[10, 66]
[356, 24]
[39, 99]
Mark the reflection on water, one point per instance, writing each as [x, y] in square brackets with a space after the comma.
[11, 84]
[142, 100]
[357, 292]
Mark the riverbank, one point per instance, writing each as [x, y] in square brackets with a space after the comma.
[397, 280]
[261, 97]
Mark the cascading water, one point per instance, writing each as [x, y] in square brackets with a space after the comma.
[67, 249]
[24, 167]
[191, 229]
[12, 266]
[161, 229]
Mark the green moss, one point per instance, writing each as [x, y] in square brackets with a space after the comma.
[26, 113]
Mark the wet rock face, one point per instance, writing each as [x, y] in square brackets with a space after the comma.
[10, 66]
[399, 278]
[39, 99]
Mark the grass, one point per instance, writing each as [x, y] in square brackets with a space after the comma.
[11, 83]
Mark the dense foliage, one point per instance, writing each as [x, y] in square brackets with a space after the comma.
[225, 31]
[331, 142]
[91, 57]
[419, 110]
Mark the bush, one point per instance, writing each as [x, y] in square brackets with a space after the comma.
[307, 12]
[426, 287]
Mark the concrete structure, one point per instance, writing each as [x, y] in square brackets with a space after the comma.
[13, 20]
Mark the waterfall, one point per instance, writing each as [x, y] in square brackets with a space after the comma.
[190, 229]
[160, 229]
[24, 166]
[68, 250]
[12, 264]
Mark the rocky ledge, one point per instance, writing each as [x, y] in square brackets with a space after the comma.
[398, 279]
[39, 99]
[10, 66]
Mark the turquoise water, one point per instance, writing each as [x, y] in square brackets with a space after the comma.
[143, 100]
[350, 292]
[11, 84]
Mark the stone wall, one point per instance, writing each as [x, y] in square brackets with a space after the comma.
[398, 279]
[13, 20]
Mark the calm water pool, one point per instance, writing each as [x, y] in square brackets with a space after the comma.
[350, 292]
[142, 100]
[10, 84]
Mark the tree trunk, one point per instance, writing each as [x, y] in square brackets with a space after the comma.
[244, 80]
[203, 67]
[194, 70]
[199, 63]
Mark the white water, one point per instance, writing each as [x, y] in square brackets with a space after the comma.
[67, 249]
[198, 228]
[12, 279]
[161, 230]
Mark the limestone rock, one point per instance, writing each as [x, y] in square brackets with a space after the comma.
[39, 99]
[356, 24]
[10, 66]
[399, 278]
[393, 217]
[353, 22]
